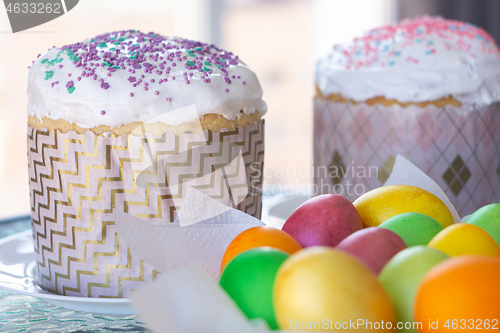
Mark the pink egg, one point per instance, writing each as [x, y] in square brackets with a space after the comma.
[374, 246]
[324, 220]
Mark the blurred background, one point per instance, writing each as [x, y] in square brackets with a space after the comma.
[279, 39]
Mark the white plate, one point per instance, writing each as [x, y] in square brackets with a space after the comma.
[18, 275]
[280, 208]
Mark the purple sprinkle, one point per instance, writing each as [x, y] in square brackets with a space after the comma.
[226, 90]
[78, 78]
[232, 77]
[112, 69]
[142, 76]
[152, 80]
[131, 94]
[104, 86]
[145, 88]
[69, 84]
[131, 79]
[243, 83]
[174, 64]
[168, 99]
[136, 66]
[157, 92]
[101, 80]
[103, 112]
[147, 65]
[238, 77]
[69, 74]
[187, 81]
[60, 66]
[109, 74]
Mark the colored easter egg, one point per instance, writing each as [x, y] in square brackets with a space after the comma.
[330, 287]
[413, 228]
[249, 279]
[401, 276]
[488, 218]
[256, 237]
[462, 238]
[374, 246]
[324, 220]
[384, 202]
[460, 294]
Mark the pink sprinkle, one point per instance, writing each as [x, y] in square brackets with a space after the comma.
[69, 74]
[145, 88]
[168, 99]
[187, 81]
[103, 112]
[109, 74]
[60, 66]
[157, 92]
[131, 94]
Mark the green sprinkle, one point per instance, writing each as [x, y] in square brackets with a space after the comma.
[198, 49]
[58, 60]
[92, 40]
[206, 69]
[207, 63]
[133, 57]
[222, 60]
[107, 64]
[71, 89]
[117, 67]
[44, 61]
[190, 63]
[131, 52]
[48, 75]
[113, 38]
[218, 66]
[112, 49]
[121, 39]
[103, 44]
[117, 43]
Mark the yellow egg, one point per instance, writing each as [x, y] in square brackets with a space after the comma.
[385, 202]
[320, 288]
[462, 238]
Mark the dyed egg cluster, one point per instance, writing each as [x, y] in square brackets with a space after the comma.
[394, 260]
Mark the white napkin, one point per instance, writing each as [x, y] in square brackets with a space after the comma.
[188, 300]
[200, 239]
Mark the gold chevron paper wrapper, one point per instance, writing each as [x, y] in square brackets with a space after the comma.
[458, 147]
[77, 180]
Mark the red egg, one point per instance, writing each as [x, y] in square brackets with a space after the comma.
[374, 246]
[324, 220]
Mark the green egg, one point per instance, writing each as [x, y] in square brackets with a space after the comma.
[249, 279]
[488, 218]
[402, 275]
[413, 228]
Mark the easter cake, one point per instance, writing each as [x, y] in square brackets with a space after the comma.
[426, 88]
[129, 121]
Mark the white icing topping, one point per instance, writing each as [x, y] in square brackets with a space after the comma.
[85, 99]
[418, 60]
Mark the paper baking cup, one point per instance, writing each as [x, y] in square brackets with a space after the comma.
[76, 180]
[355, 146]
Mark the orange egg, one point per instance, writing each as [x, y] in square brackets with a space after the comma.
[459, 294]
[256, 237]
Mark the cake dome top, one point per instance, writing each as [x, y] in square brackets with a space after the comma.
[415, 60]
[129, 76]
